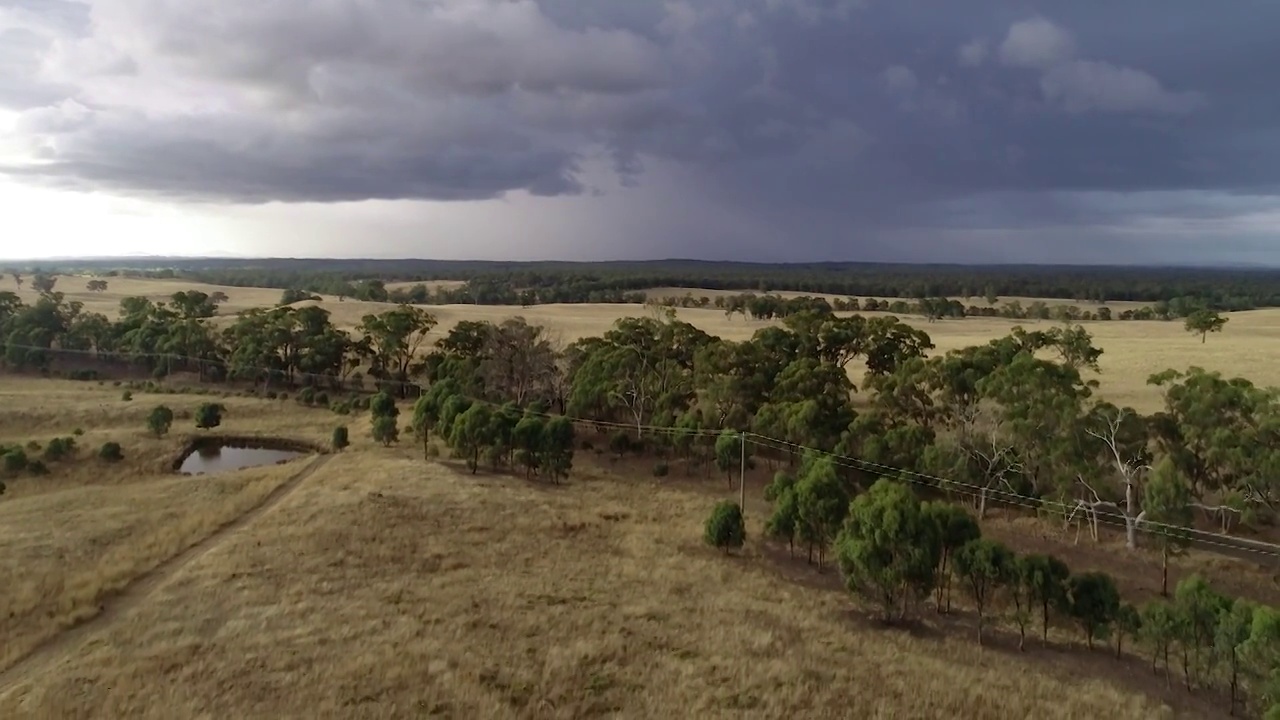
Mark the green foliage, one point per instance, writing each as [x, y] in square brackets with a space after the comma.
[1262, 654]
[209, 415]
[15, 461]
[111, 452]
[159, 420]
[1167, 505]
[1093, 602]
[1199, 608]
[985, 566]
[307, 396]
[383, 405]
[558, 448]
[385, 430]
[37, 468]
[725, 528]
[471, 433]
[822, 503]
[59, 448]
[126, 396]
[619, 442]
[530, 440]
[1128, 623]
[729, 452]
[1203, 322]
[1045, 578]
[888, 549]
[955, 527]
[340, 438]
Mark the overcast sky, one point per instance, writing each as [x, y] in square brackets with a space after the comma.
[774, 130]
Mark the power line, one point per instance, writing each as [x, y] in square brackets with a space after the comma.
[924, 479]
[1011, 498]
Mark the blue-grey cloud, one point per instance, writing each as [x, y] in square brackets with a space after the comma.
[842, 117]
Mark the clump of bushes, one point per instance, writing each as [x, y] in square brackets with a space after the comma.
[160, 420]
[209, 415]
[126, 396]
[15, 460]
[111, 452]
[661, 470]
[725, 528]
[59, 448]
[341, 437]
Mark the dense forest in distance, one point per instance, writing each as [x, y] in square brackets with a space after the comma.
[507, 282]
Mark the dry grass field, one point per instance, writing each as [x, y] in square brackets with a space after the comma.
[371, 583]
[384, 586]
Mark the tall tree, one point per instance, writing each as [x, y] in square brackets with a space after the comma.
[1203, 322]
[395, 338]
[986, 566]
[887, 548]
[1168, 511]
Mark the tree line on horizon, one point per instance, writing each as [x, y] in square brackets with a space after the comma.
[514, 283]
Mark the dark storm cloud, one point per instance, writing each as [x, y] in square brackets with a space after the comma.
[884, 114]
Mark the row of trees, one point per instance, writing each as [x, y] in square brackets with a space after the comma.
[506, 282]
[283, 346]
[771, 306]
[899, 553]
[1015, 415]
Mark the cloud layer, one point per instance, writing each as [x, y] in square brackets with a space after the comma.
[840, 120]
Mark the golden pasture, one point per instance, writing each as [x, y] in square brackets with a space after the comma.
[372, 583]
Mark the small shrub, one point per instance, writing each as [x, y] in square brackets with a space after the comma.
[725, 528]
[115, 383]
[341, 408]
[59, 448]
[322, 400]
[431, 451]
[385, 430]
[36, 467]
[209, 415]
[33, 446]
[272, 394]
[661, 470]
[340, 437]
[15, 461]
[586, 445]
[126, 396]
[111, 452]
[307, 396]
[159, 373]
[620, 442]
[78, 432]
[82, 375]
[160, 420]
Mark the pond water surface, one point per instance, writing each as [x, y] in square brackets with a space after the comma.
[225, 458]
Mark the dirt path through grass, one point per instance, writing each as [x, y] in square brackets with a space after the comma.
[48, 653]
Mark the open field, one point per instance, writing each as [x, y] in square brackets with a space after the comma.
[385, 586]
[1133, 350]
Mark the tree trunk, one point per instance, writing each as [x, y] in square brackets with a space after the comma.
[979, 624]
[1045, 609]
[1130, 518]
[1186, 667]
[1164, 571]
